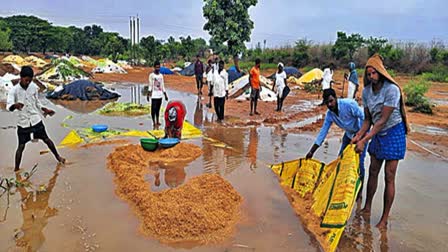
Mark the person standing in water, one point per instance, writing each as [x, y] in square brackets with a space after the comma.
[280, 82]
[156, 91]
[24, 101]
[385, 126]
[254, 80]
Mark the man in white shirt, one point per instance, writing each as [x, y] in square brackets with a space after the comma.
[220, 90]
[23, 98]
[327, 78]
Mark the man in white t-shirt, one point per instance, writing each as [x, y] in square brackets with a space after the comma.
[156, 91]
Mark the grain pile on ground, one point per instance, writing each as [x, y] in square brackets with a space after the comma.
[204, 210]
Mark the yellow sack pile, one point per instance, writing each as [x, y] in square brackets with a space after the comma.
[14, 59]
[333, 189]
[35, 61]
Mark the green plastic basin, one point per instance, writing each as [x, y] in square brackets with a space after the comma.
[149, 144]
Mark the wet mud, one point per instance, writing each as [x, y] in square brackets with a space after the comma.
[80, 211]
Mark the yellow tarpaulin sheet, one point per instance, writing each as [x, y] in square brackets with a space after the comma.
[334, 189]
[311, 76]
[74, 138]
[71, 139]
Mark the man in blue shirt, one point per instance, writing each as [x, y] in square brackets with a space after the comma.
[347, 115]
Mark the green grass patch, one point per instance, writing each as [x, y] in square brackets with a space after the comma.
[439, 73]
[247, 65]
[125, 109]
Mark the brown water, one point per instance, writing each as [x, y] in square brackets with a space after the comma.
[80, 212]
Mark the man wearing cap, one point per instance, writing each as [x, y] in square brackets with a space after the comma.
[347, 115]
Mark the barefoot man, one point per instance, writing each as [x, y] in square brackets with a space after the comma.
[24, 101]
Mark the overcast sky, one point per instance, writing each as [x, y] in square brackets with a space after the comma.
[280, 22]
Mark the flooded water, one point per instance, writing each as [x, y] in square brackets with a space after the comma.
[431, 130]
[79, 210]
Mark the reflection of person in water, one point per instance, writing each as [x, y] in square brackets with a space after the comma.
[175, 176]
[35, 213]
[252, 148]
[198, 116]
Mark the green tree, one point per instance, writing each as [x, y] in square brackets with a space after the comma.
[346, 46]
[199, 46]
[376, 45]
[217, 47]
[228, 21]
[5, 41]
[28, 32]
[79, 43]
[150, 47]
[300, 55]
[112, 46]
[174, 47]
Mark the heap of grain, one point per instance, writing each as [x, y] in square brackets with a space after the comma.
[204, 210]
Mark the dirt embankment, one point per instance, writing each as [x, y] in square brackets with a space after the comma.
[205, 210]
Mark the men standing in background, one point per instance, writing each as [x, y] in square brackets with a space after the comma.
[199, 73]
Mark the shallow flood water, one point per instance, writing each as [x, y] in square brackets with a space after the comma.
[79, 211]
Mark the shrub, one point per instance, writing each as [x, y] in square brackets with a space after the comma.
[247, 65]
[306, 69]
[415, 96]
[439, 73]
[312, 87]
[180, 63]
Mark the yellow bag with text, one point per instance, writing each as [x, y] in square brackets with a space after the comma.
[345, 188]
[307, 175]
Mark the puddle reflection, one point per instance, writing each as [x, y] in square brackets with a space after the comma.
[35, 212]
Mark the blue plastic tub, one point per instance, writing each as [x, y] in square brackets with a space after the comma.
[99, 128]
[168, 142]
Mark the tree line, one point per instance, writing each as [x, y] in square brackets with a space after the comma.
[25, 34]
[406, 57]
[32, 34]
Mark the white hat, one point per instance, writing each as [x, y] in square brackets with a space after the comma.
[281, 64]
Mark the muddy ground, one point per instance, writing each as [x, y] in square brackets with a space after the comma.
[428, 132]
[76, 206]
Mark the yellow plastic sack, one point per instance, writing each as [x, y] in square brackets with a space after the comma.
[286, 171]
[337, 186]
[307, 176]
[323, 188]
[344, 191]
